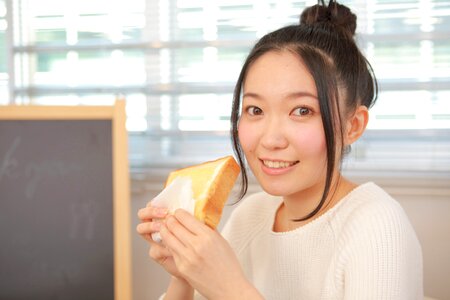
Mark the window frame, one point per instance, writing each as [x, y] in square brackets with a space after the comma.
[434, 163]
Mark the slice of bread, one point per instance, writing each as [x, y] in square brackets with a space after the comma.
[211, 184]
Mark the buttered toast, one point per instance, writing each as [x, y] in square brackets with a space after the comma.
[211, 184]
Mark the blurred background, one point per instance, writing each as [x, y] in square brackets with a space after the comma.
[176, 61]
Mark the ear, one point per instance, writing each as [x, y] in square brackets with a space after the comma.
[356, 125]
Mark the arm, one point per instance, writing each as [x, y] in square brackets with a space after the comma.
[179, 289]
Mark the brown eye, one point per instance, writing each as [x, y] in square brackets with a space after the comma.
[254, 111]
[301, 111]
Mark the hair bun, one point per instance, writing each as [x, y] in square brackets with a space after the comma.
[335, 14]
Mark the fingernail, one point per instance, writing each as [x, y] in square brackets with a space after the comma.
[161, 211]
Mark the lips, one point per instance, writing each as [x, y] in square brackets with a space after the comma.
[276, 164]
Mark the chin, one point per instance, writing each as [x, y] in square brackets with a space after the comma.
[274, 189]
[274, 192]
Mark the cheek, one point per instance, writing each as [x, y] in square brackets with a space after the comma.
[247, 137]
[312, 142]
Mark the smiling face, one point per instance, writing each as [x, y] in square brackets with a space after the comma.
[280, 128]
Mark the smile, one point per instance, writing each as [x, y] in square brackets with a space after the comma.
[279, 164]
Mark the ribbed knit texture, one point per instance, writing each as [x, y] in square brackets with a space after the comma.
[363, 248]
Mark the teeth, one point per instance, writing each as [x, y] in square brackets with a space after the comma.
[278, 164]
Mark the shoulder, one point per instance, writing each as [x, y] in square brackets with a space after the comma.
[372, 225]
[253, 215]
[369, 203]
[375, 234]
[369, 209]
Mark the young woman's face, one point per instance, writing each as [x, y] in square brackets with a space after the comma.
[280, 128]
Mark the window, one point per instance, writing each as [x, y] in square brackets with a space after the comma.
[3, 55]
[176, 62]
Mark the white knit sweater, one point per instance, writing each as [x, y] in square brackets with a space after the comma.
[363, 248]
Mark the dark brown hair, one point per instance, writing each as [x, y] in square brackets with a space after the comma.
[324, 42]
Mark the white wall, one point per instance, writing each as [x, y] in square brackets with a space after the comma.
[427, 203]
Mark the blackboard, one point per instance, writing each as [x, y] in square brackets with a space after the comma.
[62, 236]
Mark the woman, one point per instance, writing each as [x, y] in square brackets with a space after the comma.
[301, 100]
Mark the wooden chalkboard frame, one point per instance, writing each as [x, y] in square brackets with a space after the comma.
[120, 178]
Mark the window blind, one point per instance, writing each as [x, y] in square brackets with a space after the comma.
[176, 62]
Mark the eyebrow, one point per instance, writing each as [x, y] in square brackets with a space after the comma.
[293, 95]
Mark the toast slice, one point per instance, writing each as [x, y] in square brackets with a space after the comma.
[211, 185]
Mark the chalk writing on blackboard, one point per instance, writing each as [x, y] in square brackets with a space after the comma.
[9, 163]
[32, 172]
[64, 203]
[82, 223]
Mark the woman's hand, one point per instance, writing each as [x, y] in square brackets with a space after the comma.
[204, 258]
[152, 219]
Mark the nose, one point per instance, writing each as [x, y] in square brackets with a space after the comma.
[273, 136]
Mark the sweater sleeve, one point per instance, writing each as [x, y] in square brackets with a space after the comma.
[381, 257]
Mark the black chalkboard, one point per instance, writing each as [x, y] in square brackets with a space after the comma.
[56, 209]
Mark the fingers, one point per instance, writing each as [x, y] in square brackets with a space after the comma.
[175, 236]
[158, 252]
[178, 232]
[148, 227]
[151, 218]
[185, 227]
[151, 212]
[186, 236]
[189, 221]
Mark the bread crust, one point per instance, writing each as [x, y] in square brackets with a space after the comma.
[212, 183]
